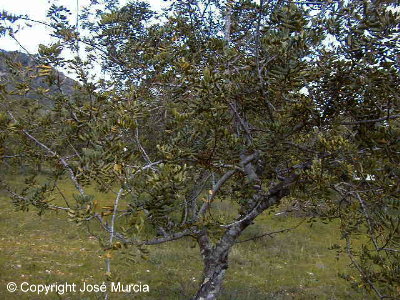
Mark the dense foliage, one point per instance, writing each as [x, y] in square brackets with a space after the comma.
[234, 101]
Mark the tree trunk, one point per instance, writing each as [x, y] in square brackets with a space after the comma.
[215, 257]
[215, 266]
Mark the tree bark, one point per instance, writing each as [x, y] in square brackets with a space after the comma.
[215, 257]
[215, 266]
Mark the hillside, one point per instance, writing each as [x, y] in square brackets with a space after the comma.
[26, 70]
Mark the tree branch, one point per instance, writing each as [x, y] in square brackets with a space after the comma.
[246, 160]
[228, 21]
[270, 234]
[54, 154]
[112, 228]
[372, 120]
[357, 266]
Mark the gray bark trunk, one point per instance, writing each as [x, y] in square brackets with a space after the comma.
[215, 257]
[216, 260]
[215, 266]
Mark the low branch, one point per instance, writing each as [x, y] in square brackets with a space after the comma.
[145, 167]
[49, 206]
[144, 153]
[221, 182]
[266, 201]
[270, 234]
[115, 210]
[196, 193]
[358, 267]
[168, 238]
[54, 154]
[372, 120]
[56, 207]
[61, 159]
[156, 241]
[10, 156]
[242, 122]
[367, 217]
[112, 228]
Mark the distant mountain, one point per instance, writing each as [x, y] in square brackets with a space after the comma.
[13, 78]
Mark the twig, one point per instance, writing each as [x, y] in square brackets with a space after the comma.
[270, 234]
[145, 156]
[241, 121]
[112, 228]
[62, 194]
[367, 217]
[357, 266]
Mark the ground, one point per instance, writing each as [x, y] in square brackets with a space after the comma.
[294, 265]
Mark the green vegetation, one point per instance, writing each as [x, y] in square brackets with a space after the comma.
[212, 114]
[292, 265]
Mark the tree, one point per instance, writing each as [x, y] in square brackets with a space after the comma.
[237, 101]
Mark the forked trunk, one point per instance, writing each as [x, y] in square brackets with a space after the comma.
[215, 257]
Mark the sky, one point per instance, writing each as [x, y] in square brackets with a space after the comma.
[30, 38]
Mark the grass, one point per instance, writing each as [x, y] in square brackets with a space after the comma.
[294, 265]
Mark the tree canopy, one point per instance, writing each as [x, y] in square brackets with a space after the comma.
[254, 104]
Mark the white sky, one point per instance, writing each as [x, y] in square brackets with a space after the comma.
[30, 38]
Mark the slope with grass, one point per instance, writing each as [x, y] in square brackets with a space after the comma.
[293, 265]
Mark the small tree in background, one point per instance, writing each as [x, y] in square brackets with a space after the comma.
[219, 101]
